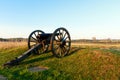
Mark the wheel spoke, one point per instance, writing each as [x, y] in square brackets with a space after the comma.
[60, 53]
[65, 38]
[34, 38]
[67, 47]
[64, 35]
[64, 49]
[57, 50]
[38, 32]
[58, 37]
[35, 35]
[56, 46]
[56, 42]
[59, 34]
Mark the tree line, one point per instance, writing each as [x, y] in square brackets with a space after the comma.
[13, 39]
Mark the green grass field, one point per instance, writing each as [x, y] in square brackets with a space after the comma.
[84, 63]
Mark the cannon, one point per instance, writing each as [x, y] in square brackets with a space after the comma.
[59, 42]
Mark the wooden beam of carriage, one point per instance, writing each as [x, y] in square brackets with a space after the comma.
[23, 56]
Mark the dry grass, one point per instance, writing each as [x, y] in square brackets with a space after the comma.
[7, 45]
[114, 45]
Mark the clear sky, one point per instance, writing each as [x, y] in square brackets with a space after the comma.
[84, 19]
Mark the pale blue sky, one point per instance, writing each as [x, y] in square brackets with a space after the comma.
[84, 19]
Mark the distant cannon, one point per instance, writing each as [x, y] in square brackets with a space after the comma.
[38, 42]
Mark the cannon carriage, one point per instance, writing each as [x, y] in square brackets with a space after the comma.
[59, 42]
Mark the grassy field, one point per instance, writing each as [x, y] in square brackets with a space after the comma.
[85, 62]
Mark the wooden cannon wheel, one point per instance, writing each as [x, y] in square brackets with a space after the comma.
[33, 40]
[60, 43]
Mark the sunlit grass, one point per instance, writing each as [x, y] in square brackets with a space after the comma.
[84, 63]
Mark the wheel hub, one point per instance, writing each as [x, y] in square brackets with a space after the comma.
[63, 42]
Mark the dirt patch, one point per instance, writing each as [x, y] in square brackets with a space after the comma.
[38, 68]
[3, 78]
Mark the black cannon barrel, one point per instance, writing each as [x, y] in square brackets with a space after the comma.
[47, 35]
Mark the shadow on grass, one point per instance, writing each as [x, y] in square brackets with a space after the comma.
[37, 59]
[72, 51]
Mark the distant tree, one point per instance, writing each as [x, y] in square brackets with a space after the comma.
[94, 39]
[109, 40]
